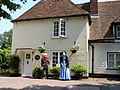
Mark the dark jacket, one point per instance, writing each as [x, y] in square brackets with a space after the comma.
[67, 62]
[44, 63]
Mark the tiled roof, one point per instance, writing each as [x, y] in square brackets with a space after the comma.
[101, 28]
[109, 12]
[117, 20]
[52, 8]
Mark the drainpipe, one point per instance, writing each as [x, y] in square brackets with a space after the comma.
[92, 58]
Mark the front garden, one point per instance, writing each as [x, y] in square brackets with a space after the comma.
[77, 70]
[9, 66]
[9, 63]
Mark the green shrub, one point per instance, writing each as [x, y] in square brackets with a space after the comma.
[37, 72]
[9, 62]
[5, 73]
[14, 63]
[78, 69]
[55, 71]
[3, 60]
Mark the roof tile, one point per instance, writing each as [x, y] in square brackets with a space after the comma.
[52, 8]
[109, 12]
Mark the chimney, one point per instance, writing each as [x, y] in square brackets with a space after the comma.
[93, 7]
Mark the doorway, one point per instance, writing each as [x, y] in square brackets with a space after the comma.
[27, 64]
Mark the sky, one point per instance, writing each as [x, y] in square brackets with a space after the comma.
[6, 25]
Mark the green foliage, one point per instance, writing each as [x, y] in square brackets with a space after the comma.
[14, 62]
[9, 61]
[41, 49]
[118, 65]
[11, 6]
[55, 71]
[6, 40]
[3, 60]
[37, 72]
[78, 69]
[5, 73]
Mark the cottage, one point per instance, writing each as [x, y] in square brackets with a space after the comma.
[58, 25]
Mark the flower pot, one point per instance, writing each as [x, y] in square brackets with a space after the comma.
[78, 76]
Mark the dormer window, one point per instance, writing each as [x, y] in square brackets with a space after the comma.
[59, 29]
[118, 31]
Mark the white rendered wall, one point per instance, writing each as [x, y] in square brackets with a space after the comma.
[100, 57]
[32, 34]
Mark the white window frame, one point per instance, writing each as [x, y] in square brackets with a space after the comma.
[60, 27]
[114, 60]
[117, 31]
[55, 28]
[58, 64]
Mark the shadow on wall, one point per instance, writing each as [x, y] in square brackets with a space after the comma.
[101, 86]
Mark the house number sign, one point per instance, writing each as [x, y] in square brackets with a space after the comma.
[37, 57]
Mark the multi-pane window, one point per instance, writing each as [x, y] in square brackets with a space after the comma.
[59, 28]
[56, 58]
[56, 28]
[27, 56]
[113, 60]
[62, 32]
[117, 31]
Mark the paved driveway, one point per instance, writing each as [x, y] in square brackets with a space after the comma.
[20, 83]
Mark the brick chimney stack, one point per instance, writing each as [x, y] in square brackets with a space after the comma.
[93, 7]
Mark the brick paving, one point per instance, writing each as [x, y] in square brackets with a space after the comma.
[20, 83]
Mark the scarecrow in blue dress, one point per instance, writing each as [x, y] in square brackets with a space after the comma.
[64, 72]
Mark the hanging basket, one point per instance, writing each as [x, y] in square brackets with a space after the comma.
[41, 49]
[74, 49]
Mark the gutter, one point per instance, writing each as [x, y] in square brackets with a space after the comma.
[92, 58]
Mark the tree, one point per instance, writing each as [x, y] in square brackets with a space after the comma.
[11, 6]
[3, 60]
[6, 39]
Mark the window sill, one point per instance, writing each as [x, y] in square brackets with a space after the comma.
[112, 69]
[59, 37]
[117, 40]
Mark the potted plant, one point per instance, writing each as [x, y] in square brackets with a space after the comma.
[118, 65]
[37, 72]
[55, 71]
[74, 49]
[41, 49]
[78, 71]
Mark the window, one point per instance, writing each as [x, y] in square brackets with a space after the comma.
[27, 56]
[59, 28]
[118, 31]
[56, 28]
[56, 55]
[113, 60]
[62, 31]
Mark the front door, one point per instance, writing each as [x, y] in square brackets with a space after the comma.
[27, 64]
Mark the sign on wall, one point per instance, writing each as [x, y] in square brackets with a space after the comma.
[37, 57]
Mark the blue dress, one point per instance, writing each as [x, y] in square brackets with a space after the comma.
[64, 72]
